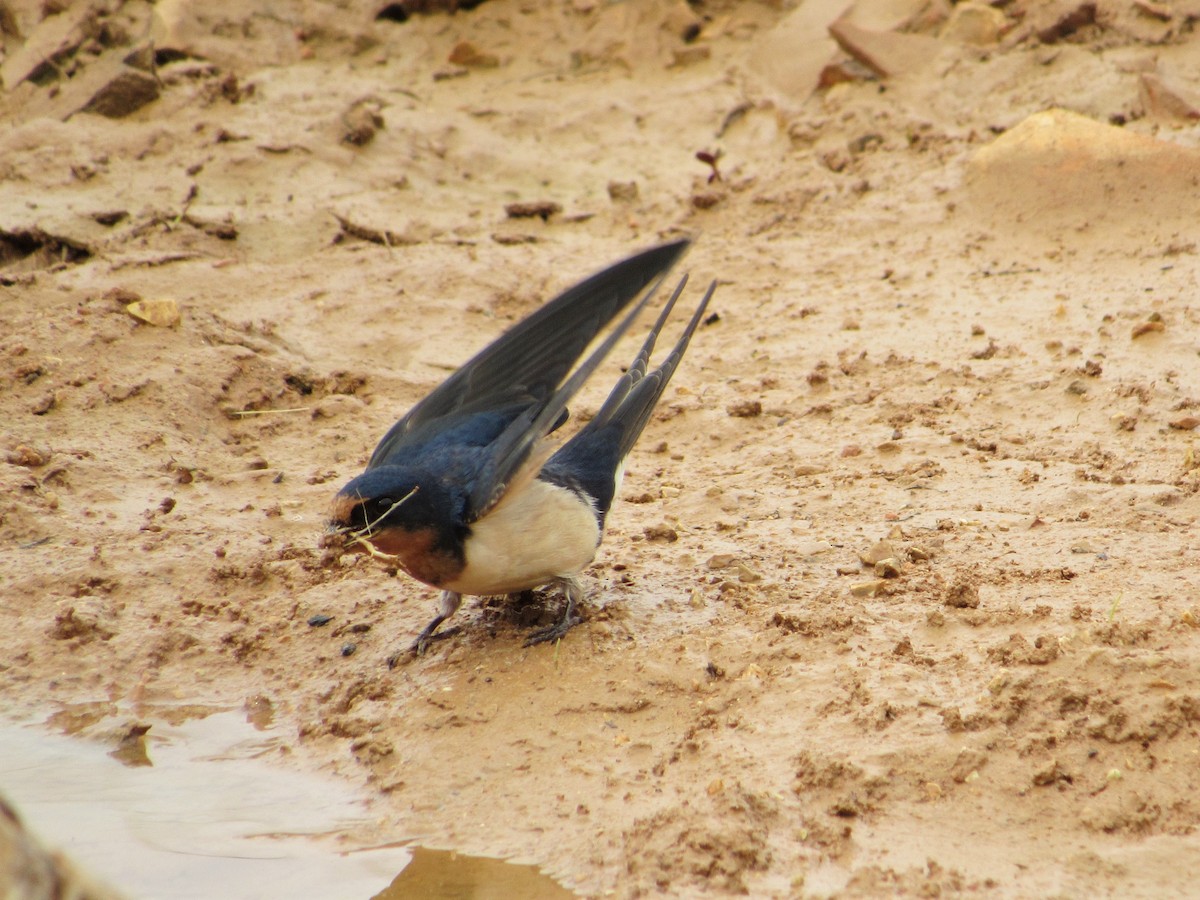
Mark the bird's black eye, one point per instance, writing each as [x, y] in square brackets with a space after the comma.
[384, 504]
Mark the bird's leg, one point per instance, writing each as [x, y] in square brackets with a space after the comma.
[451, 601]
[573, 591]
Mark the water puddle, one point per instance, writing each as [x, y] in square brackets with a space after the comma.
[189, 809]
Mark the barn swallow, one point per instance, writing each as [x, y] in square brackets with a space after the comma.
[465, 492]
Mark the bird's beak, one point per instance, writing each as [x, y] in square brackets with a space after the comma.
[339, 532]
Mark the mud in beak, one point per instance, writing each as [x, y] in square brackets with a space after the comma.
[339, 532]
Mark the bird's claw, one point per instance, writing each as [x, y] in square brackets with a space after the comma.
[554, 632]
[420, 645]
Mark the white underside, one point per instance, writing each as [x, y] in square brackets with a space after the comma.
[535, 535]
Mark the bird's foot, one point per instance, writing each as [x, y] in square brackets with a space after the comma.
[554, 632]
[420, 645]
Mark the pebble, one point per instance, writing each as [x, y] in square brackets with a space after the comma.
[319, 620]
[919, 553]
[867, 588]
[162, 312]
[661, 532]
[974, 23]
[541, 209]
[1143, 328]
[888, 568]
[26, 456]
[879, 551]
[622, 191]
[467, 54]
[360, 123]
[744, 409]
[746, 575]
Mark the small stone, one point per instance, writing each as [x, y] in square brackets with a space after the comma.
[26, 456]
[1077, 387]
[744, 409]
[688, 56]
[1143, 328]
[1187, 423]
[319, 620]
[706, 200]
[541, 209]
[746, 575]
[622, 191]
[974, 23]
[360, 123]
[348, 649]
[1048, 774]
[44, 404]
[888, 568]
[467, 54]
[867, 588]
[448, 74]
[661, 532]
[919, 553]
[125, 91]
[508, 240]
[721, 560]
[878, 551]
[162, 312]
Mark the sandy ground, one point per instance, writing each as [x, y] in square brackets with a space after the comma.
[937, 328]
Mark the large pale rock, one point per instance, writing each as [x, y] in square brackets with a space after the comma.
[791, 56]
[1058, 169]
[887, 54]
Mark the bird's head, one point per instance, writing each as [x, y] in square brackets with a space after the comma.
[385, 503]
